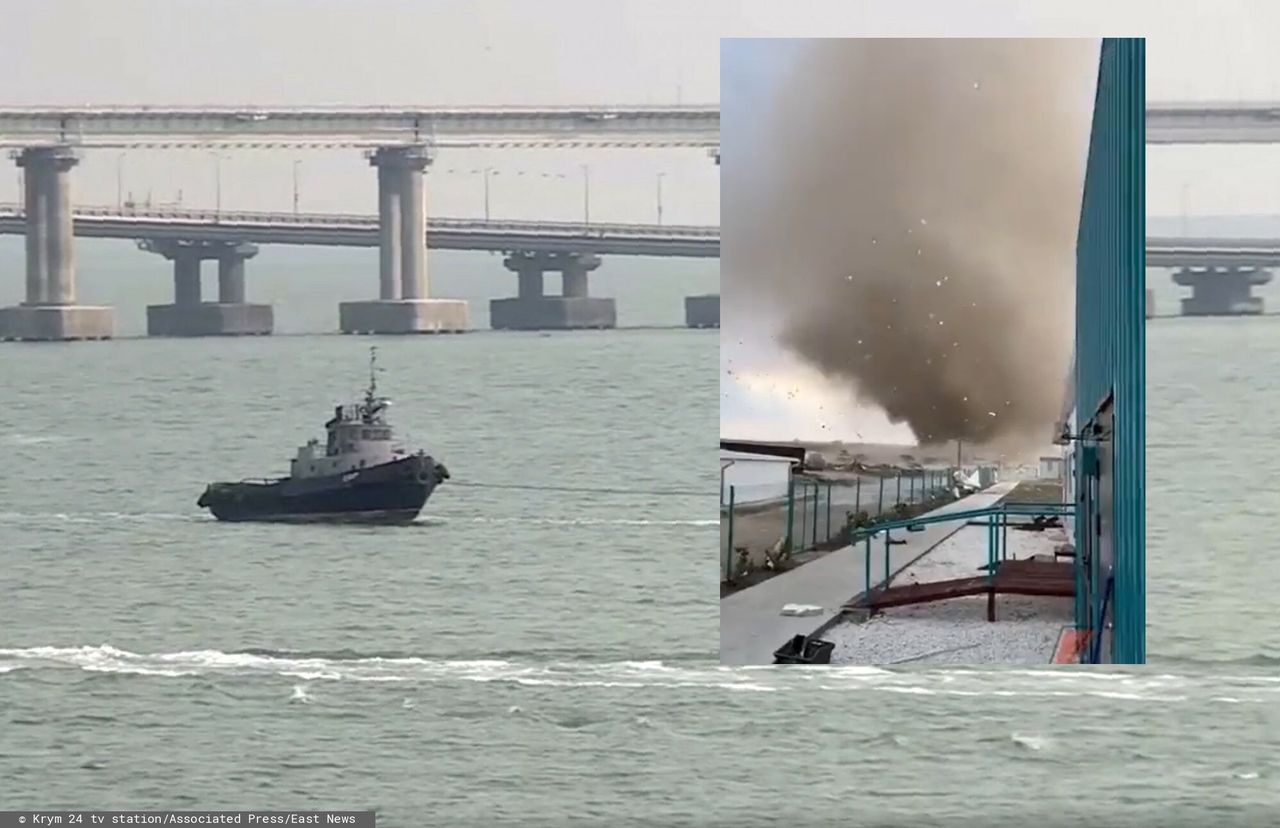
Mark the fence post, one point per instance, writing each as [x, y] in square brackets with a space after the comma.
[886, 558]
[1004, 538]
[867, 560]
[828, 532]
[791, 504]
[804, 513]
[912, 490]
[898, 499]
[857, 495]
[817, 500]
[880, 505]
[728, 567]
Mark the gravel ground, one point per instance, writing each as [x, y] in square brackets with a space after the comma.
[957, 631]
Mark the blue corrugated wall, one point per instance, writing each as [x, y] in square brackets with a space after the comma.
[1110, 328]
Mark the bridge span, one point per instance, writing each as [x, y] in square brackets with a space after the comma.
[349, 230]
[1256, 122]
[187, 237]
[373, 127]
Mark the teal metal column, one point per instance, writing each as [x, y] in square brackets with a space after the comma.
[1111, 329]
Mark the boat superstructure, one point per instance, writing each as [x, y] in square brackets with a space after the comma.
[362, 473]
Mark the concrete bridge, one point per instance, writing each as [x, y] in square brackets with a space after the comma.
[373, 127]
[188, 236]
[402, 144]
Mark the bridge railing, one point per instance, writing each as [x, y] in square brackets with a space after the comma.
[575, 229]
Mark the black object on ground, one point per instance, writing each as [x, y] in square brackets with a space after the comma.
[802, 649]
[1038, 524]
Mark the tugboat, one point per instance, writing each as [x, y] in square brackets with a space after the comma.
[362, 475]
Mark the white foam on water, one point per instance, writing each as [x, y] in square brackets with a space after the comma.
[96, 517]
[300, 694]
[1031, 741]
[33, 439]
[546, 521]
[1135, 687]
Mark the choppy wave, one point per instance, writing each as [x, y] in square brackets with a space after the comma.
[1254, 660]
[605, 521]
[98, 517]
[427, 521]
[32, 439]
[1139, 685]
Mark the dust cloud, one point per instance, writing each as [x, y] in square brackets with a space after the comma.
[905, 213]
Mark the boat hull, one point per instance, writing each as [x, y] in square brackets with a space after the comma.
[390, 493]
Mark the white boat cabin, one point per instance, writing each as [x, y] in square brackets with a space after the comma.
[359, 437]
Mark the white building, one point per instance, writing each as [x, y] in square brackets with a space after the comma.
[753, 477]
[1051, 467]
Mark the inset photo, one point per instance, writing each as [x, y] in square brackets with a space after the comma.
[932, 352]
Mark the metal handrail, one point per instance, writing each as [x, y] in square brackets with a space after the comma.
[993, 535]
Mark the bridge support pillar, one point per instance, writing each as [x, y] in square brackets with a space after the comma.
[50, 311]
[231, 272]
[1222, 291]
[530, 310]
[702, 311]
[231, 315]
[403, 306]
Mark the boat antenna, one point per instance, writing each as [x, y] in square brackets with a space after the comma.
[373, 372]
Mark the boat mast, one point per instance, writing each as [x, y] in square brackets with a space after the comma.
[373, 375]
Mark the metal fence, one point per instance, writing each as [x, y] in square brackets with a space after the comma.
[814, 513]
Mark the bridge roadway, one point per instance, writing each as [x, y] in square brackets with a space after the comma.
[350, 230]
[330, 126]
[362, 231]
[1213, 252]
[572, 126]
[1251, 122]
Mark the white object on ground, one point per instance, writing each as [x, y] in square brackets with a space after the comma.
[801, 609]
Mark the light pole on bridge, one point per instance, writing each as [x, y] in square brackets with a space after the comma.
[296, 162]
[217, 172]
[660, 198]
[487, 171]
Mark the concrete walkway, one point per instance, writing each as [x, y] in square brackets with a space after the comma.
[751, 626]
